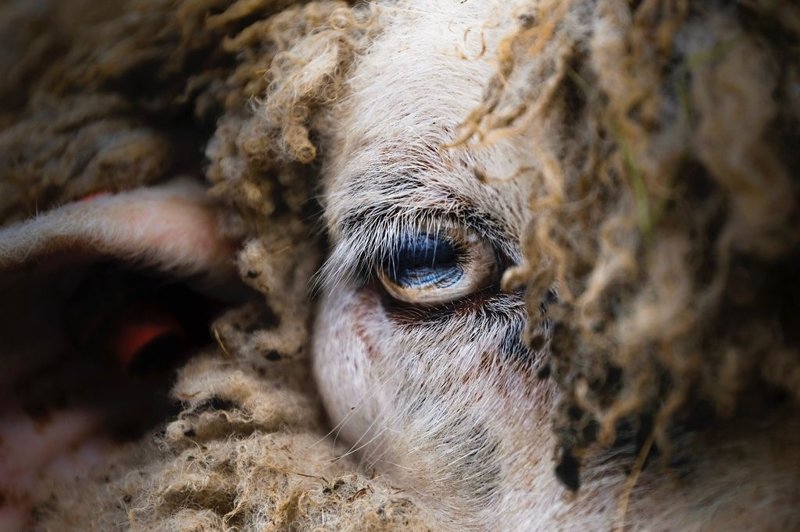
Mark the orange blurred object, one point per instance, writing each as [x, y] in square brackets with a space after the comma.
[140, 328]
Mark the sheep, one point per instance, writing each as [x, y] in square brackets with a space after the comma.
[546, 273]
[417, 345]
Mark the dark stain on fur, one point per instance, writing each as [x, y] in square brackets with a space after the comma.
[514, 348]
[567, 470]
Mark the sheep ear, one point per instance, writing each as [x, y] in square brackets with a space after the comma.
[99, 301]
[95, 256]
[170, 227]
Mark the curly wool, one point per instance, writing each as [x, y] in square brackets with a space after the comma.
[666, 208]
[666, 216]
[246, 452]
[131, 99]
[112, 98]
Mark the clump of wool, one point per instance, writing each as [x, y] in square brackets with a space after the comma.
[665, 209]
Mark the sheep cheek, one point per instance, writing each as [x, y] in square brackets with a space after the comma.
[342, 363]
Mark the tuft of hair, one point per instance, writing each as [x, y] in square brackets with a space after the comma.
[665, 207]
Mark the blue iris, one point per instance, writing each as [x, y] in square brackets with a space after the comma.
[424, 260]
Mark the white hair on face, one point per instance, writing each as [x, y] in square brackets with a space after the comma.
[390, 176]
[445, 401]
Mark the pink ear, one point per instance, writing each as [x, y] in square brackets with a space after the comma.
[47, 263]
[99, 299]
[170, 227]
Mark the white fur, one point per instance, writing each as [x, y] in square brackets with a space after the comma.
[438, 406]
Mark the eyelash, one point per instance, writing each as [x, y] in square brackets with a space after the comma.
[433, 269]
[416, 250]
[368, 240]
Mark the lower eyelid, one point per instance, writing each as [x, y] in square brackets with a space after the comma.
[489, 301]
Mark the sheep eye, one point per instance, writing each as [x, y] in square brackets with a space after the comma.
[430, 269]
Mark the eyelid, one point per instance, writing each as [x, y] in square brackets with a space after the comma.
[476, 268]
[370, 234]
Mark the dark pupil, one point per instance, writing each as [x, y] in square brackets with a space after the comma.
[425, 251]
[424, 259]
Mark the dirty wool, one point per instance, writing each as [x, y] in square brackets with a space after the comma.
[666, 220]
[110, 98]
